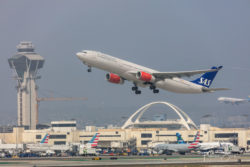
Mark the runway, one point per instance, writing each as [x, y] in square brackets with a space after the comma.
[161, 161]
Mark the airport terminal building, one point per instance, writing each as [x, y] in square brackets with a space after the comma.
[126, 138]
[134, 134]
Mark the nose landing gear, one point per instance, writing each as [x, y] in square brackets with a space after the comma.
[89, 69]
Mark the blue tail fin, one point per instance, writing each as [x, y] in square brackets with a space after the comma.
[207, 78]
[179, 139]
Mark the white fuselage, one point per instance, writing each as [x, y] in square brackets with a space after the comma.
[160, 148]
[123, 69]
[231, 100]
[209, 146]
[213, 145]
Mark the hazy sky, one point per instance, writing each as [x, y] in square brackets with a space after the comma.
[163, 35]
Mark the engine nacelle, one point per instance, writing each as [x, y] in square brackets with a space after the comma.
[145, 76]
[113, 78]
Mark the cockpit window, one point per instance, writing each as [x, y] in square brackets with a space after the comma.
[84, 51]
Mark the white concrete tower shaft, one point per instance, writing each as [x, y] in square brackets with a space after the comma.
[26, 64]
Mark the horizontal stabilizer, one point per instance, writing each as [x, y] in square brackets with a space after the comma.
[204, 89]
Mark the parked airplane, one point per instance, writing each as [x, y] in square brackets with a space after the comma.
[181, 148]
[209, 147]
[121, 70]
[202, 146]
[231, 100]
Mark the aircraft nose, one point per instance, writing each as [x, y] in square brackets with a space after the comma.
[79, 55]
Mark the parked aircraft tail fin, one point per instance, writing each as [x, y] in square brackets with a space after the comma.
[45, 139]
[196, 141]
[179, 139]
[197, 137]
[94, 141]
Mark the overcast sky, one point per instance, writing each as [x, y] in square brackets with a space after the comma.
[163, 35]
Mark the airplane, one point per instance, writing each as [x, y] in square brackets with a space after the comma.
[231, 100]
[181, 148]
[202, 146]
[121, 70]
[211, 147]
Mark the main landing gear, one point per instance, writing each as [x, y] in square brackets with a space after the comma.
[135, 88]
[89, 69]
[152, 87]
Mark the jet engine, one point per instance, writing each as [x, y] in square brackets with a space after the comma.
[145, 76]
[113, 78]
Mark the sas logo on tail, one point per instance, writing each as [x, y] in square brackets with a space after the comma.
[204, 81]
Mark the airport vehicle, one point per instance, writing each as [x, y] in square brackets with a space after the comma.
[231, 100]
[121, 70]
[181, 148]
[90, 147]
[228, 148]
[97, 158]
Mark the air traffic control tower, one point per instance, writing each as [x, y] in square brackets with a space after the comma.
[26, 64]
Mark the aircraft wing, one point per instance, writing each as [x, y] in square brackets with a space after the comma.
[180, 74]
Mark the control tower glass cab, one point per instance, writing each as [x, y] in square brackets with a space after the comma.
[26, 64]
